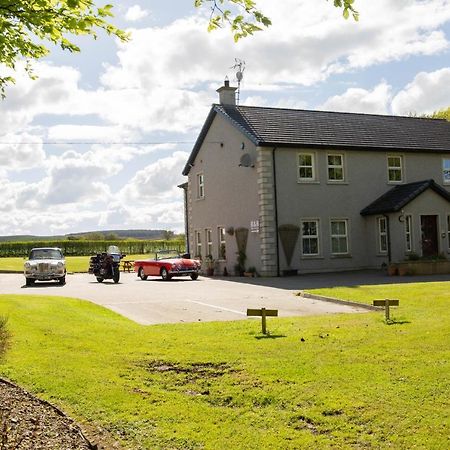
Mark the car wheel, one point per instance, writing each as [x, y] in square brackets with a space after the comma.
[100, 279]
[141, 274]
[62, 280]
[29, 281]
[194, 276]
[165, 275]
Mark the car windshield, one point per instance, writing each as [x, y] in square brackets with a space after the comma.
[167, 254]
[46, 253]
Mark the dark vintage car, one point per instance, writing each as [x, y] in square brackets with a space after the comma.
[167, 264]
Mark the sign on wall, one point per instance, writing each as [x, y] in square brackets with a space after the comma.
[254, 226]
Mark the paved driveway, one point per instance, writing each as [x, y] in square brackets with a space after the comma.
[180, 300]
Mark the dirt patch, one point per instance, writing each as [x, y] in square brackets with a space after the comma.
[27, 422]
[191, 372]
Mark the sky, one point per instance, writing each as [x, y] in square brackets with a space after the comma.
[100, 139]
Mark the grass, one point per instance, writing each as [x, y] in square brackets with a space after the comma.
[326, 382]
[73, 263]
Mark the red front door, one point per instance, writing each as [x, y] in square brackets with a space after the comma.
[429, 229]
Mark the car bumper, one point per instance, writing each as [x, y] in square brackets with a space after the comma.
[44, 276]
[183, 272]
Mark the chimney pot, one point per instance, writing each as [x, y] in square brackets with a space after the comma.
[227, 93]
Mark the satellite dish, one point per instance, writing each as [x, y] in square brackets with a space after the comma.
[246, 161]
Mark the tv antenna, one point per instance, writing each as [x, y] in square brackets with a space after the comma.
[239, 64]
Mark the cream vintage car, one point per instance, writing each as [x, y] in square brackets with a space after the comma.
[45, 264]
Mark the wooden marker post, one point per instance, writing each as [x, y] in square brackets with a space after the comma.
[386, 303]
[263, 313]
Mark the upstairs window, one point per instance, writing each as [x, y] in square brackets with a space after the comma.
[200, 186]
[306, 170]
[335, 167]
[395, 169]
[446, 170]
[310, 237]
[339, 237]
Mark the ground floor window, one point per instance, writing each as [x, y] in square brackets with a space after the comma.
[198, 244]
[339, 237]
[310, 237]
[408, 233]
[221, 240]
[382, 235]
[209, 244]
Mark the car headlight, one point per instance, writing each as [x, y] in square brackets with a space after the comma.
[60, 265]
[27, 265]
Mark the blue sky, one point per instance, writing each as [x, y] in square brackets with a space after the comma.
[100, 139]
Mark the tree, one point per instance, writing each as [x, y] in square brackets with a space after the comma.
[244, 18]
[27, 26]
[442, 114]
[168, 235]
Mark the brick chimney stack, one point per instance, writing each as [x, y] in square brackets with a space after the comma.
[227, 94]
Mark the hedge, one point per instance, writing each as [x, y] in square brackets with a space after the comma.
[87, 248]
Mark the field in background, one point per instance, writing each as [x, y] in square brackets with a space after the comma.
[73, 263]
[334, 381]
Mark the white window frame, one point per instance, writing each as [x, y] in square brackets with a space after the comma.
[339, 236]
[200, 186]
[208, 242]
[336, 166]
[382, 234]
[221, 241]
[408, 233]
[396, 168]
[313, 177]
[198, 243]
[310, 237]
[446, 170]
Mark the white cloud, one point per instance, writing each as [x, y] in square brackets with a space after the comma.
[21, 151]
[135, 13]
[428, 92]
[376, 101]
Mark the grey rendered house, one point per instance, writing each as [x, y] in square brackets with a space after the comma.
[296, 191]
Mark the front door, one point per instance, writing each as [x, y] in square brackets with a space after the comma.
[429, 229]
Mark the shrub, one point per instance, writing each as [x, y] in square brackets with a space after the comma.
[4, 336]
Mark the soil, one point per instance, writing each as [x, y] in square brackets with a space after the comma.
[28, 423]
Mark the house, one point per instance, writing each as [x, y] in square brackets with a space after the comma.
[296, 191]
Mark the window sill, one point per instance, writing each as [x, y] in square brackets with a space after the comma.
[308, 182]
[395, 182]
[337, 182]
[343, 256]
[307, 257]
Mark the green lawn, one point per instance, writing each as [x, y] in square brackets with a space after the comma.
[74, 263]
[326, 382]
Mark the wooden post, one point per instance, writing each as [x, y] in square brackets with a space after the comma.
[386, 303]
[263, 320]
[263, 313]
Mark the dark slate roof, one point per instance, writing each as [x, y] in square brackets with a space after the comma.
[276, 127]
[399, 196]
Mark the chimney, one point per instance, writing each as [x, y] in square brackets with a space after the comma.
[227, 94]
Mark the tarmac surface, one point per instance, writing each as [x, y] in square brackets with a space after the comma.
[208, 299]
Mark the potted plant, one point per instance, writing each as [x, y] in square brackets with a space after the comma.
[240, 266]
[250, 272]
[209, 265]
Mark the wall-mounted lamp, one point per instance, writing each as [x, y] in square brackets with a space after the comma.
[401, 217]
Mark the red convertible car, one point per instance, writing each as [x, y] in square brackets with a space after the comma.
[167, 264]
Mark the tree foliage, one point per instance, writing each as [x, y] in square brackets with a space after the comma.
[442, 114]
[28, 26]
[244, 18]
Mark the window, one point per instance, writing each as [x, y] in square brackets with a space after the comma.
[198, 244]
[382, 234]
[221, 240]
[446, 171]
[408, 233]
[310, 237]
[395, 169]
[339, 237]
[200, 186]
[208, 241]
[306, 170]
[448, 232]
[335, 163]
